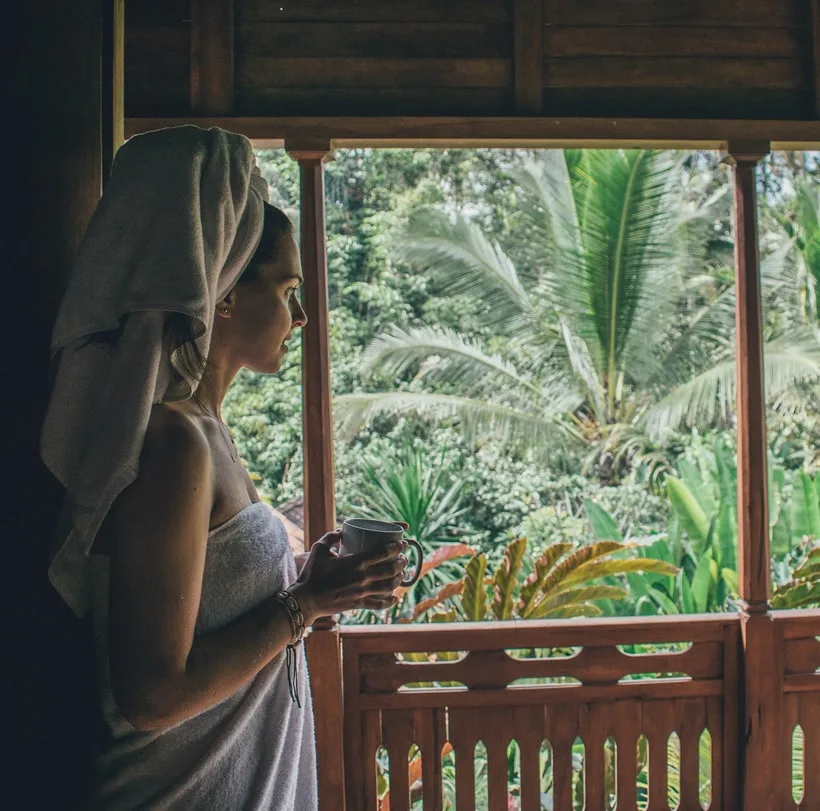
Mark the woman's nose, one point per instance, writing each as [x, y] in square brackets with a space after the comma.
[299, 316]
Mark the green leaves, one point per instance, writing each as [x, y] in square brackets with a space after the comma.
[803, 590]
[693, 517]
[604, 527]
[420, 491]
[474, 593]
[505, 579]
[805, 509]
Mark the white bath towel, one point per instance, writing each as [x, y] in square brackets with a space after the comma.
[179, 220]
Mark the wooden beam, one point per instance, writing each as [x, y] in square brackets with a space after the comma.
[752, 519]
[506, 132]
[212, 56]
[762, 645]
[528, 56]
[814, 28]
[325, 663]
[323, 646]
[320, 509]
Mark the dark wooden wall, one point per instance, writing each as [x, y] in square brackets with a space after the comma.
[54, 167]
[752, 59]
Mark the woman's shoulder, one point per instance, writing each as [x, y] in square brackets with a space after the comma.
[173, 434]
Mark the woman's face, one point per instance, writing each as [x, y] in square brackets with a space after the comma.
[263, 313]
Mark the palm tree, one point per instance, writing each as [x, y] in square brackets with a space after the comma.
[586, 336]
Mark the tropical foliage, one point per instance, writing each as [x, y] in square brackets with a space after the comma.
[594, 350]
[561, 582]
[548, 311]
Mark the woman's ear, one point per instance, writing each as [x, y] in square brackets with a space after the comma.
[224, 307]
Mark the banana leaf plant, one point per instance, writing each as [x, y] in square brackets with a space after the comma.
[803, 590]
[563, 582]
[702, 537]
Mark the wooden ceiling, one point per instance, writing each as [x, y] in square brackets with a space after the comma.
[551, 60]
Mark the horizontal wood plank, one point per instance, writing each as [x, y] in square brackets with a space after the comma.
[144, 43]
[542, 696]
[373, 101]
[798, 622]
[507, 132]
[805, 683]
[156, 11]
[374, 40]
[670, 72]
[490, 11]
[381, 672]
[271, 72]
[680, 103]
[688, 41]
[802, 655]
[742, 13]
[539, 633]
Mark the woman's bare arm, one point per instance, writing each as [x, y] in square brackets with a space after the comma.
[158, 529]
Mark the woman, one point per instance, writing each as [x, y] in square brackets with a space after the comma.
[199, 607]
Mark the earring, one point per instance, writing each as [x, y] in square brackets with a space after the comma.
[225, 310]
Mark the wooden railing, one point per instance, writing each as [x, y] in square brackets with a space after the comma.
[797, 634]
[665, 717]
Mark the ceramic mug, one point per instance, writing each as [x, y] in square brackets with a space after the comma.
[365, 534]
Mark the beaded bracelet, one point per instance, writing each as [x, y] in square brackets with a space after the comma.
[297, 633]
[295, 615]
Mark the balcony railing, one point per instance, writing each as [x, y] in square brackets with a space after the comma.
[552, 685]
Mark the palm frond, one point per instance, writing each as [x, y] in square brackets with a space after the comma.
[581, 364]
[787, 362]
[447, 357]
[623, 284]
[546, 180]
[537, 429]
[464, 261]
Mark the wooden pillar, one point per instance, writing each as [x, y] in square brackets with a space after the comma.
[323, 645]
[528, 56]
[763, 665]
[212, 57]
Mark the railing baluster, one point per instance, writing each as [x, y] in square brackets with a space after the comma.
[463, 737]
[593, 731]
[496, 736]
[714, 722]
[528, 723]
[371, 734]
[562, 722]
[430, 735]
[810, 722]
[626, 728]
[791, 717]
[658, 723]
[692, 723]
[397, 735]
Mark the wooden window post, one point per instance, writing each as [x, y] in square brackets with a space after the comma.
[323, 645]
[763, 665]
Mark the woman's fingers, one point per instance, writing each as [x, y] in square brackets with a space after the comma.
[379, 603]
[379, 554]
[386, 586]
[384, 571]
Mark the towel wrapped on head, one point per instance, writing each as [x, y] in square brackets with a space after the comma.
[180, 219]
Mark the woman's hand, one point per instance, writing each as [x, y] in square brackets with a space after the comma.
[330, 583]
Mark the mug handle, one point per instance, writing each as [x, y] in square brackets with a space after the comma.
[417, 574]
